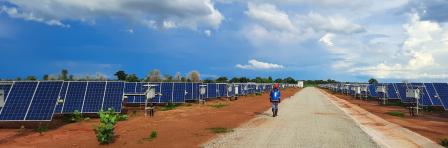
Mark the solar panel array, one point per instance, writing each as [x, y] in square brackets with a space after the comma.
[40, 100]
[432, 94]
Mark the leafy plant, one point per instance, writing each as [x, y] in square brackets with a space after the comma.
[122, 117]
[87, 119]
[105, 131]
[218, 106]
[395, 113]
[219, 130]
[76, 116]
[151, 136]
[444, 142]
[169, 106]
[41, 129]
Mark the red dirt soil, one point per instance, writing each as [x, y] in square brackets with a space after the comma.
[185, 126]
[431, 125]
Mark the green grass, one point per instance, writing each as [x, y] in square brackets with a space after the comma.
[218, 106]
[395, 113]
[219, 130]
[151, 136]
[41, 129]
[169, 106]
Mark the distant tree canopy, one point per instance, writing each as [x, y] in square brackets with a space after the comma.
[31, 78]
[317, 82]
[132, 78]
[373, 81]
[154, 76]
[63, 75]
[221, 80]
[121, 75]
[194, 76]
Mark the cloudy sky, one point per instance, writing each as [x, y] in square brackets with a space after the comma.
[347, 40]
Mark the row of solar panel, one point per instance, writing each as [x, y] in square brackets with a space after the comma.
[38, 101]
[181, 92]
[432, 94]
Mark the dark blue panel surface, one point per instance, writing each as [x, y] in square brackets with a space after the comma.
[222, 90]
[5, 86]
[114, 96]
[372, 90]
[433, 94]
[196, 93]
[18, 101]
[189, 90]
[442, 90]
[44, 101]
[401, 89]
[167, 93]
[62, 93]
[179, 93]
[129, 87]
[391, 92]
[211, 90]
[94, 97]
[75, 96]
[425, 99]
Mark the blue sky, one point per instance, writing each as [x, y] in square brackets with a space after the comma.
[347, 40]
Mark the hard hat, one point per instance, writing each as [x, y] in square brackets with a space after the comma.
[276, 86]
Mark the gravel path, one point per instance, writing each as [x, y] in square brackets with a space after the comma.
[307, 119]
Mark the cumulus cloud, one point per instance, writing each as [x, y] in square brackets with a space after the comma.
[259, 65]
[270, 16]
[208, 33]
[14, 13]
[327, 39]
[152, 13]
[336, 23]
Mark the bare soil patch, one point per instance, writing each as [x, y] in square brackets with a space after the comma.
[185, 126]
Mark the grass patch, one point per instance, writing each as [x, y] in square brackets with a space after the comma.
[151, 136]
[444, 142]
[395, 113]
[169, 106]
[218, 106]
[219, 130]
[389, 103]
[41, 129]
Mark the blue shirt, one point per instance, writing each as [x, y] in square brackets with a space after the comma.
[275, 95]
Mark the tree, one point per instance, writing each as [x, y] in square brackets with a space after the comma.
[221, 80]
[132, 78]
[269, 80]
[154, 76]
[234, 80]
[71, 77]
[64, 74]
[244, 80]
[121, 75]
[178, 77]
[278, 80]
[289, 80]
[168, 78]
[208, 81]
[373, 81]
[31, 78]
[194, 76]
[46, 77]
[257, 80]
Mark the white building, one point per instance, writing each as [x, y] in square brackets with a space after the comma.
[300, 84]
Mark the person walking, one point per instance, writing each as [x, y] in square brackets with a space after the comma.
[275, 99]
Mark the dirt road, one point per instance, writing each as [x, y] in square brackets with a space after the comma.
[307, 119]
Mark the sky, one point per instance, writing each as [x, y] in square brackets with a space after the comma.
[346, 40]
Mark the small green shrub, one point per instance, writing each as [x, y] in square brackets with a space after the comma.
[87, 119]
[76, 116]
[395, 113]
[122, 117]
[41, 129]
[105, 131]
[21, 130]
[218, 106]
[444, 142]
[219, 130]
[169, 106]
[258, 94]
[151, 136]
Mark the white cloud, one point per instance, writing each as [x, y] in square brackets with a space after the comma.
[270, 16]
[208, 33]
[336, 23]
[152, 13]
[259, 65]
[14, 13]
[327, 39]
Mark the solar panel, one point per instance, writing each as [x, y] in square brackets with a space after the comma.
[129, 87]
[62, 94]
[75, 97]
[113, 96]
[167, 93]
[94, 97]
[211, 90]
[18, 101]
[442, 90]
[189, 90]
[425, 99]
[435, 100]
[372, 90]
[6, 87]
[44, 100]
[391, 91]
[401, 89]
[196, 91]
[222, 90]
[179, 93]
